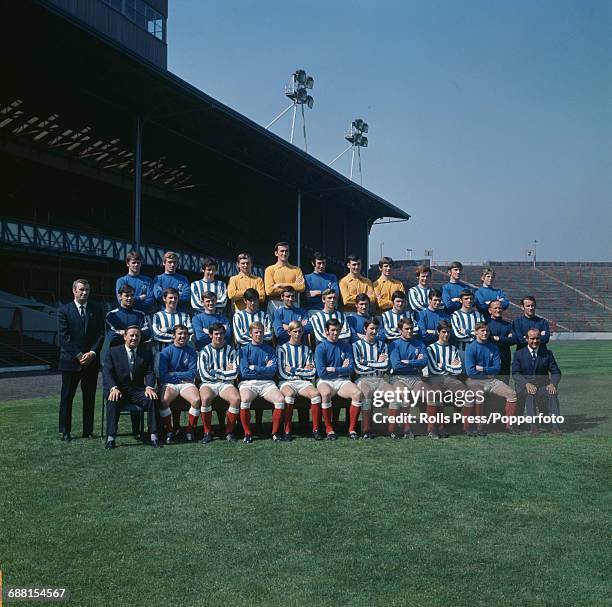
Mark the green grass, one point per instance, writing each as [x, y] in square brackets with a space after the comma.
[497, 521]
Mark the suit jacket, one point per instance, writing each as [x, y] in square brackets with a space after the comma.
[116, 370]
[75, 339]
[541, 372]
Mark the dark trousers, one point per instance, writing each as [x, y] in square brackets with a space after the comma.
[88, 376]
[541, 394]
[135, 396]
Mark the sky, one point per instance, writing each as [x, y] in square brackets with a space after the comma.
[490, 122]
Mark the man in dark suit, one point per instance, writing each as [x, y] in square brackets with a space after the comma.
[81, 335]
[536, 374]
[129, 378]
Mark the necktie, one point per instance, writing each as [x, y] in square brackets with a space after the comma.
[83, 317]
[131, 364]
[534, 355]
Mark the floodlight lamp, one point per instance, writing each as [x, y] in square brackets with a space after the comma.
[364, 142]
[358, 124]
[301, 95]
[299, 76]
[364, 127]
[309, 102]
[309, 82]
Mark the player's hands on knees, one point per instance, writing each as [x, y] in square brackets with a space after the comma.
[114, 395]
[150, 393]
[531, 388]
[551, 389]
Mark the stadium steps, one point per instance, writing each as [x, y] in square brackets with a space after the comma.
[17, 351]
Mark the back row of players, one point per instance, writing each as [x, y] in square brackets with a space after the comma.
[447, 321]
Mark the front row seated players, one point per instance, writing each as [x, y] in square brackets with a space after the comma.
[129, 378]
[334, 364]
[217, 367]
[482, 364]
[371, 361]
[177, 373]
[408, 359]
[258, 366]
[297, 372]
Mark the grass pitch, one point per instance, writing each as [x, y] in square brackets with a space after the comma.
[495, 521]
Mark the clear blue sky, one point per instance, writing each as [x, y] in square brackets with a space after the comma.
[490, 122]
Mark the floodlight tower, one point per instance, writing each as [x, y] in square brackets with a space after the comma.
[297, 91]
[355, 135]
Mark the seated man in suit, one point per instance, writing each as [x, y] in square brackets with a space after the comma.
[536, 373]
[129, 378]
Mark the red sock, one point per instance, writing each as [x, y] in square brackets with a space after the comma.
[393, 425]
[207, 421]
[510, 411]
[432, 411]
[327, 419]
[467, 412]
[353, 417]
[277, 420]
[315, 410]
[176, 420]
[288, 418]
[193, 422]
[231, 421]
[245, 420]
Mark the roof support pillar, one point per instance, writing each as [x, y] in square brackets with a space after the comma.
[138, 183]
[299, 233]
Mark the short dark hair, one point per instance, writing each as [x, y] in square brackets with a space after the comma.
[362, 297]
[282, 243]
[480, 325]
[328, 292]
[371, 321]
[133, 327]
[398, 295]
[352, 258]
[178, 327]
[435, 293]
[209, 295]
[384, 260]
[126, 289]
[169, 291]
[528, 298]
[251, 295]
[443, 324]
[405, 321]
[216, 326]
[207, 262]
[332, 322]
[455, 264]
[318, 256]
[132, 255]
[466, 293]
[287, 289]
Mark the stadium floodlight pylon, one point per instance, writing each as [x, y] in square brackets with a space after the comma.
[355, 135]
[297, 91]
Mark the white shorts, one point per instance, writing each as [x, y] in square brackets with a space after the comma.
[372, 381]
[216, 387]
[334, 384]
[180, 388]
[409, 381]
[297, 384]
[259, 387]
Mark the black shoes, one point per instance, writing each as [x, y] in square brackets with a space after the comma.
[156, 444]
[352, 436]
[277, 438]
[287, 437]
[110, 444]
[189, 437]
[207, 438]
[170, 440]
[89, 435]
[332, 436]
[248, 439]
[66, 437]
[409, 435]
[317, 435]
[230, 437]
